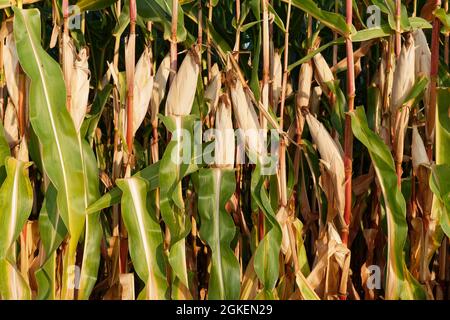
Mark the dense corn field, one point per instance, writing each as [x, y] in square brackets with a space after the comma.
[224, 149]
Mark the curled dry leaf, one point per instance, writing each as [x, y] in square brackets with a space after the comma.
[182, 91]
[159, 88]
[331, 269]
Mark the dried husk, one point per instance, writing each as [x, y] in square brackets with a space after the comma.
[182, 91]
[159, 88]
[404, 79]
[246, 116]
[419, 152]
[277, 79]
[304, 85]
[323, 73]
[315, 100]
[80, 88]
[212, 92]
[329, 276]
[224, 135]
[11, 66]
[69, 56]
[404, 75]
[333, 164]
[423, 62]
[143, 88]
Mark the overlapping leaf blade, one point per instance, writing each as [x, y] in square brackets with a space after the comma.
[144, 237]
[399, 282]
[217, 229]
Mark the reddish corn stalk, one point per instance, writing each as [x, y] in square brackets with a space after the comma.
[130, 96]
[433, 83]
[65, 10]
[398, 35]
[348, 136]
[266, 62]
[200, 28]
[173, 43]
[335, 36]
[237, 44]
[208, 39]
[446, 51]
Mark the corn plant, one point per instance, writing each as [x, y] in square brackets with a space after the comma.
[205, 149]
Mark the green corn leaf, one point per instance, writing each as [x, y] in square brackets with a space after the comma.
[93, 229]
[144, 237]
[12, 284]
[441, 172]
[46, 279]
[400, 284]
[150, 174]
[16, 201]
[51, 227]
[160, 11]
[53, 125]
[267, 253]
[172, 169]
[85, 5]
[332, 20]
[91, 122]
[444, 18]
[217, 229]
[52, 231]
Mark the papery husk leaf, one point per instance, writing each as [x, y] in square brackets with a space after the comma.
[159, 88]
[180, 97]
[332, 160]
[212, 92]
[80, 88]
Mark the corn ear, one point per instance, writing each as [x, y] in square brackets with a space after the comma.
[159, 88]
[80, 88]
[212, 92]
[182, 91]
[224, 139]
[143, 89]
[332, 160]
